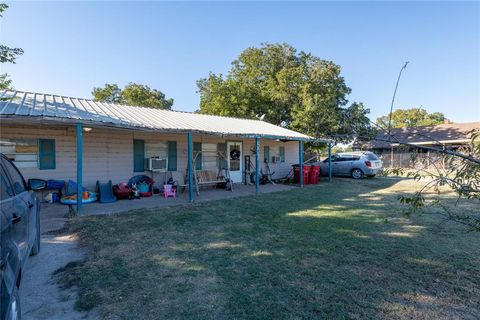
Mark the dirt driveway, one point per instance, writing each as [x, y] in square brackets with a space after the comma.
[40, 295]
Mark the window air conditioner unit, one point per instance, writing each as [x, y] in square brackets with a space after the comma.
[156, 164]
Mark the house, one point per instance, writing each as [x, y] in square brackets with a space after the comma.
[452, 136]
[57, 137]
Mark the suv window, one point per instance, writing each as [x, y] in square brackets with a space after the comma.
[334, 158]
[17, 179]
[371, 156]
[5, 187]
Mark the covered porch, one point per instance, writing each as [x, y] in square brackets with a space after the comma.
[88, 141]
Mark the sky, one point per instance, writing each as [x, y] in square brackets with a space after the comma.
[71, 47]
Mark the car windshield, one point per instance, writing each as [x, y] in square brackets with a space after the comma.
[371, 156]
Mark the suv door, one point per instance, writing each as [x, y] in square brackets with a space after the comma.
[18, 208]
[350, 163]
[343, 165]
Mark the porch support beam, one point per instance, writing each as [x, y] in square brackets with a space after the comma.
[300, 161]
[330, 162]
[79, 168]
[190, 166]
[257, 164]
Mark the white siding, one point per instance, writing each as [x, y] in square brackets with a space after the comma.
[108, 153]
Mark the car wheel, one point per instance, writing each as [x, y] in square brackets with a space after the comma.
[357, 174]
[14, 312]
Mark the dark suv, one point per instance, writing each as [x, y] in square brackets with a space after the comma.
[19, 235]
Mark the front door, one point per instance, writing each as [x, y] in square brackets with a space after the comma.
[235, 166]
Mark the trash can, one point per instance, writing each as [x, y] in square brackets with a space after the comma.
[296, 173]
[313, 174]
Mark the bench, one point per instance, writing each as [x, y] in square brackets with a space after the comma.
[208, 177]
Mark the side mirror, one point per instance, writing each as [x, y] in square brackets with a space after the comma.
[36, 184]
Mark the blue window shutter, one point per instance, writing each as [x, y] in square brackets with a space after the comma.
[138, 155]
[266, 154]
[172, 155]
[197, 147]
[46, 154]
[281, 150]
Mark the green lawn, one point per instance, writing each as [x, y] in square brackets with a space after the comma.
[340, 250]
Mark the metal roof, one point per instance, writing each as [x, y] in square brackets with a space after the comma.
[448, 133]
[47, 107]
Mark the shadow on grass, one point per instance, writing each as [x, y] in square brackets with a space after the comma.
[340, 250]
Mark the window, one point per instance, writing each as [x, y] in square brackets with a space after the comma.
[197, 155]
[334, 157]
[138, 155]
[172, 155]
[281, 153]
[23, 152]
[46, 154]
[266, 154]
[15, 176]
[209, 155]
[156, 149]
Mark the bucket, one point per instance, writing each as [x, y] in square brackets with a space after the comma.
[55, 197]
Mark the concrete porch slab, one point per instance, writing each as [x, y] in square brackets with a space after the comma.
[206, 194]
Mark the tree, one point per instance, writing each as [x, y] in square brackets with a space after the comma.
[293, 89]
[133, 94]
[411, 118]
[461, 176]
[109, 93]
[5, 82]
[7, 55]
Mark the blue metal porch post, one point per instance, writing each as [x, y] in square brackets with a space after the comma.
[329, 162]
[300, 160]
[190, 166]
[79, 168]
[257, 164]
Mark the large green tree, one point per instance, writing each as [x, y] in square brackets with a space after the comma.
[293, 89]
[7, 55]
[133, 94]
[411, 118]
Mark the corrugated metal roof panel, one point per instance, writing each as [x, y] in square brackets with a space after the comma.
[28, 104]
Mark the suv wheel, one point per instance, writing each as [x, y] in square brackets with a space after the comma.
[14, 312]
[357, 174]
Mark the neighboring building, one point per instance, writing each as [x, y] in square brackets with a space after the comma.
[39, 133]
[452, 136]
